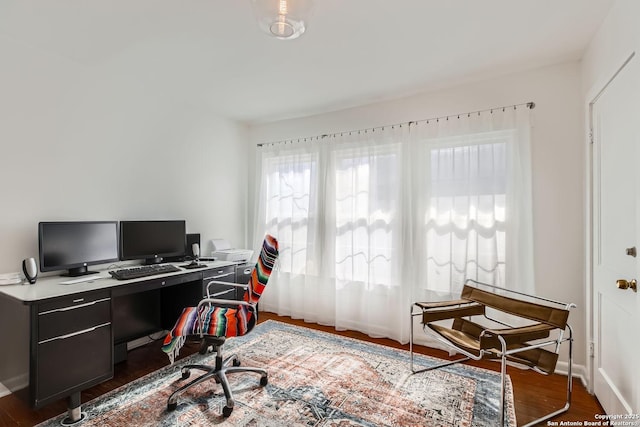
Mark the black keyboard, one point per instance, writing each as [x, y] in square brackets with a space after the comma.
[143, 271]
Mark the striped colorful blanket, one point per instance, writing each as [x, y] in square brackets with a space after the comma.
[229, 319]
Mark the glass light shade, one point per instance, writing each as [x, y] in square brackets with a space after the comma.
[283, 19]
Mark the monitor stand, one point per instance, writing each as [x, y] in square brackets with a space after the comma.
[153, 261]
[78, 271]
[193, 265]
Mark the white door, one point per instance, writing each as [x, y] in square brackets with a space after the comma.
[616, 226]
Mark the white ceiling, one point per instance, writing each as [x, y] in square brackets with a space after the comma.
[354, 51]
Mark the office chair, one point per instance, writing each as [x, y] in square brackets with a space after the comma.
[215, 320]
[491, 322]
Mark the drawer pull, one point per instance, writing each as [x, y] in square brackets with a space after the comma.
[73, 307]
[221, 275]
[73, 334]
[247, 270]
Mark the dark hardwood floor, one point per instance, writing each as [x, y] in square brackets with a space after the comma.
[534, 393]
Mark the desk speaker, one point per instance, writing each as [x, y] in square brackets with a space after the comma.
[192, 240]
[30, 269]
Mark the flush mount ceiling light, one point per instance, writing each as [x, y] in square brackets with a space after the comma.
[282, 19]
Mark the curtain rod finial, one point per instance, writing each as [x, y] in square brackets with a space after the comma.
[531, 105]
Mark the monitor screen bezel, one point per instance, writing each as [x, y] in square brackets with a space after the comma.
[149, 257]
[79, 266]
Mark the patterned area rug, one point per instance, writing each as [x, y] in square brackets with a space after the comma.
[315, 379]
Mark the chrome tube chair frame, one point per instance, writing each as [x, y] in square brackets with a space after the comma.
[504, 343]
[221, 368]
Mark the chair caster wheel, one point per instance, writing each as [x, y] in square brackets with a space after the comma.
[172, 406]
[226, 411]
[186, 374]
[236, 362]
[263, 381]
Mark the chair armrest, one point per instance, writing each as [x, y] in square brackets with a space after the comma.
[538, 327]
[439, 304]
[219, 282]
[433, 312]
[515, 335]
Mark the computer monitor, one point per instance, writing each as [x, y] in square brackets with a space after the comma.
[152, 241]
[74, 245]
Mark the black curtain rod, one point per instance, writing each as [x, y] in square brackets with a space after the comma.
[529, 105]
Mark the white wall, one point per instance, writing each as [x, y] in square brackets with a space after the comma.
[617, 37]
[100, 141]
[558, 150]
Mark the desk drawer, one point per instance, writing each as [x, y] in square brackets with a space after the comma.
[225, 274]
[69, 315]
[221, 274]
[72, 363]
[243, 272]
[152, 282]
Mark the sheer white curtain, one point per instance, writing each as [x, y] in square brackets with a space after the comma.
[371, 221]
[474, 190]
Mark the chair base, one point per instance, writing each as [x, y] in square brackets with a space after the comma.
[219, 373]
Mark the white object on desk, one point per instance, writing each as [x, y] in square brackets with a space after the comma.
[89, 278]
[233, 255]
[222, 251]
[10, 279]
[220, 244]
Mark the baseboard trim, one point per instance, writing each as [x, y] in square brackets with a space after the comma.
[577, 371]
[9, 385]
[139, 342]
[4, 391]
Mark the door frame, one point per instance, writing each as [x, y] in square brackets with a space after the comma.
[592, 96]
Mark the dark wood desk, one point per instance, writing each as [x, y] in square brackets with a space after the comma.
[73, 334]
